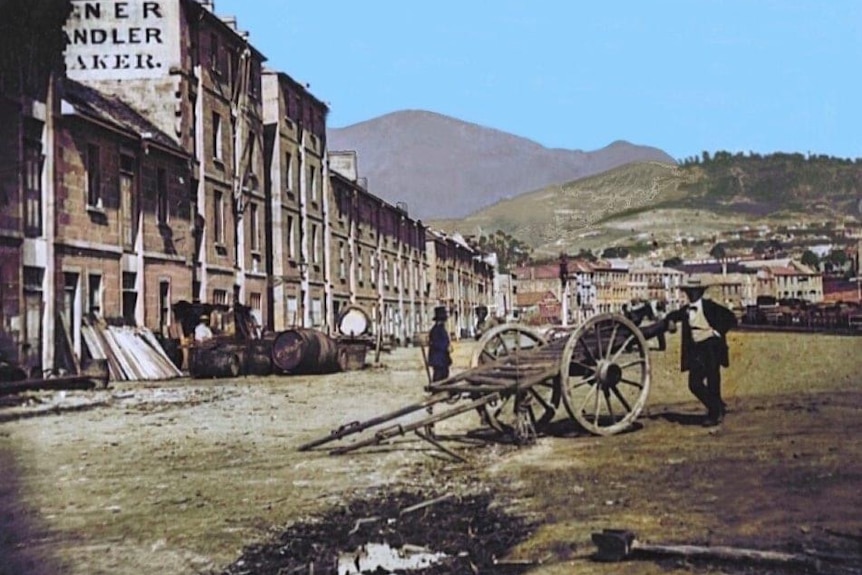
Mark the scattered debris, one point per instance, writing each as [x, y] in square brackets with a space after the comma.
[403, 532]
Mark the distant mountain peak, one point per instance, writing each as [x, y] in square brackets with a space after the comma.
[443, 167]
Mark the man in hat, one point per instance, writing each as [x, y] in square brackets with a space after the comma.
[705, 324]
[439, 346]
[202, 329]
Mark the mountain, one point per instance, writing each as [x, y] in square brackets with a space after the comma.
[442, 167]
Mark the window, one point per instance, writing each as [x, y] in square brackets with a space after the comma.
[291, 237]
[373, 268]
[164, 305]
[94, 177]
[256, 304]
[130, 297]
[163, 206]
[217, 137]
[94, 293]
[315, 247]
[385, 272]
[255, 227]
[33, 189]
[127, 199]
[218, 218]
[316, 312]
[292, 310]
[312, 183]
[254, 80]
[360, 274]
[342, 261]
[288, 173]
[251, 178]
[215, 53]
[220, 297]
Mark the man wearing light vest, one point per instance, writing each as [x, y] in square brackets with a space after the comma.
[705, 324]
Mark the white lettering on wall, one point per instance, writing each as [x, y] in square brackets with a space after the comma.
[112, 39]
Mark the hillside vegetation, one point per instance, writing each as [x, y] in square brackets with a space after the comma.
[655, 203]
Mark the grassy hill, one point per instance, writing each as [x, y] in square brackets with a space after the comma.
[653, 203]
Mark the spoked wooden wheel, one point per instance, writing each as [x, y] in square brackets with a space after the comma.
[605, 374]
[539, 401]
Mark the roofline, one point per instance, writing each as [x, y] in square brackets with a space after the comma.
[284, 76]
[242, 37]
[132, 135]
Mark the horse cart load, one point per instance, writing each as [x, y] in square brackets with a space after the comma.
[518, 380]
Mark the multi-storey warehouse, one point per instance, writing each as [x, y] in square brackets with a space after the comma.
[166, 165]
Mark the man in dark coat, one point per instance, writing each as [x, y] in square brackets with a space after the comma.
[439, 346]
[705, 324]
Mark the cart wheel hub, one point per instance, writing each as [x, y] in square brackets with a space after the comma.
[609, 374]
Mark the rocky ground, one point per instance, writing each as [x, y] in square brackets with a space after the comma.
[203, 477]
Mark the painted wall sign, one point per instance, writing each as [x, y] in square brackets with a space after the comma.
[122, 39]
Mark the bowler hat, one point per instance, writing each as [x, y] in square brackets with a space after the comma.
[440, 313]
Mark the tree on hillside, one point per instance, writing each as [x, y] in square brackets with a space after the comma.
[838, 258]
[511, 252]
[32, 42]
[585, 254]
[718, 251]
[615, 252]
[810, 259]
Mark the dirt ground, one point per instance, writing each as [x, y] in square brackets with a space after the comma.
[180, 477]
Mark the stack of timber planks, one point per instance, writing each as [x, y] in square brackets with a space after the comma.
[132, 353]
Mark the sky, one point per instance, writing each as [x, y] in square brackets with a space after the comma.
[682, 75]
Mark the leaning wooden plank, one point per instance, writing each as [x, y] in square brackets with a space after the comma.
[93, 344]
[163, 367]
[170, 369]
[115, 370]
[127, 347]
[166, 366]
[150, 362]
[117, 352]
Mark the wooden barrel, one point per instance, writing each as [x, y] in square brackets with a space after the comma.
[353, 322]
[301, 350]
[351, 354]
[219, 361]
[258, 359]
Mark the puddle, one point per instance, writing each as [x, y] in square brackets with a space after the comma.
[373, 556]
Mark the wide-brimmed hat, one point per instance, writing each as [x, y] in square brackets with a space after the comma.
[440, 313]
[694, 284]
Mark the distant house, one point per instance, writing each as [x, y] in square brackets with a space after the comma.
[542, 306]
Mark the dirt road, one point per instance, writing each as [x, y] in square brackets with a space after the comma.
[179, 477]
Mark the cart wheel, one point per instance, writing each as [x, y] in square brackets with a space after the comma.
[540, 402]
[605, 374]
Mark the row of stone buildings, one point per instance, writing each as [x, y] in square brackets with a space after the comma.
[167, 164]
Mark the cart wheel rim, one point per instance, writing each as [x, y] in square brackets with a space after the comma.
[605, 374]
[540, 402]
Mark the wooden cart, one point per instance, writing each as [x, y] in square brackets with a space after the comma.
[599, 372]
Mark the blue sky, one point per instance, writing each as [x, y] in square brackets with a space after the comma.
[682, 75]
